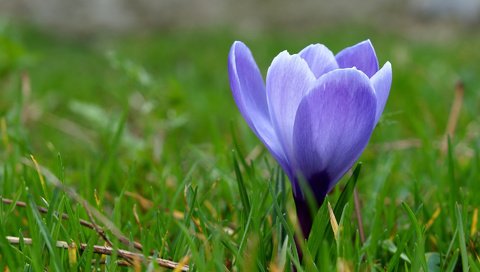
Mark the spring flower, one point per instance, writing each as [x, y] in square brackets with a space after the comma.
[315, 113]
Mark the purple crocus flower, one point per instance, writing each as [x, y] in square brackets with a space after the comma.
[316, 112]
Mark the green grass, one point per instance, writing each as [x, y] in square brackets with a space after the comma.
[145, 130]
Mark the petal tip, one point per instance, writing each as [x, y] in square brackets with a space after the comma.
[285, 56]
[314, 45]
[238, 43]
[238, 47]
[368, 41]
[362, 55]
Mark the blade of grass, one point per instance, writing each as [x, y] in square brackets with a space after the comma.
[474, 265]
[346, 195]
[453, 261]
[241, 187]
[44, 232]
[419, 259]
[461, 238]
[285, 224]
[454, 186]
[237, 149]
[395, 260]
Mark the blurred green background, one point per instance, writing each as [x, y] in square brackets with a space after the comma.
[171, 85]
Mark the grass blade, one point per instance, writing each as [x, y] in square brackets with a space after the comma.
[241, 187]
[44, 233]
[419, 258]
[461, 238]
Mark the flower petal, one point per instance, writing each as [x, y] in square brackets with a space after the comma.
[382, 81]
[319, 58]
[249, 94]
[332, 127]
[362, 56]
[288, 80]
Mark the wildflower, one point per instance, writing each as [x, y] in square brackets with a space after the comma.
[316, 112]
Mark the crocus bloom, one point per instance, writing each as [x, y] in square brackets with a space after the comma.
[316, 112]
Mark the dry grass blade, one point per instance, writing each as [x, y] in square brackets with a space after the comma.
[333, 222]
[4, 133]
[82, 222]
[473, 228]
[454, 115]
[433, 218]
[70, 128]
[144, 202]
[358, 213]
[105, 250]
[182, 264]
[253, 155]
[102, 234]
[398, 145]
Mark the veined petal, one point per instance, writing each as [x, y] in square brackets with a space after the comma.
[332, 127]
[319, 58]
[382, 81]
[246, 82]
[362, 56]
[249, 94]
[288, 80]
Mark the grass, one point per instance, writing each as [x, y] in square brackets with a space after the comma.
[140, 136]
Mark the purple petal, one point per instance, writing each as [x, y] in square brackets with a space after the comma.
[382, 81]
[362, 56]
[249, 94]
[319, 58]
[332, 127]
[288, 80]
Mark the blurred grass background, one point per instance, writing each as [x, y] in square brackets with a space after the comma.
[142, 125]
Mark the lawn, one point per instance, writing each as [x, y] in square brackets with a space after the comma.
[107, 140]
